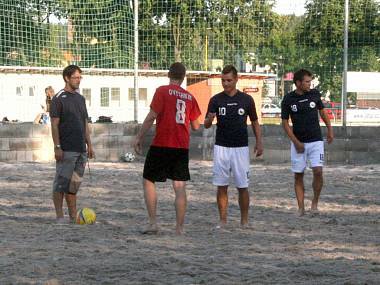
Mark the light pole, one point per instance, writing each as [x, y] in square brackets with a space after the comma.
[275, 64]
[206, 50]
[280, 67]
[206, 53]
[136, 62]
[345, 62]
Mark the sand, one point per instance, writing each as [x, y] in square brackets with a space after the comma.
[341, 245]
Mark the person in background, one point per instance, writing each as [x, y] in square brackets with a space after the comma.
[49, 92]
[44, 117]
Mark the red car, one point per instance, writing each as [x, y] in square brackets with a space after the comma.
[333, 110]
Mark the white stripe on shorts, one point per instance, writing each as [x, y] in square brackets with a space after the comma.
[231, 160]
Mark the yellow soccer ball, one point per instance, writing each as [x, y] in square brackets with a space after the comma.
[86, 216]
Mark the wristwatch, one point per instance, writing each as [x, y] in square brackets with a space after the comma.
[57, 146]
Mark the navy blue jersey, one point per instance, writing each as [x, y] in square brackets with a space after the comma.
[71, 110]
[231, 115]
[304, 113]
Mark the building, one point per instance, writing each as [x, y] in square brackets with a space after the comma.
[366, 86]
[204, 86]
[107, 92]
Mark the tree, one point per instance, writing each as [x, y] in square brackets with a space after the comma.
[102, 32]
[238, 28]
[170, 31]
[321, 40]
[180, 30]
[23, 32]
[280, 50]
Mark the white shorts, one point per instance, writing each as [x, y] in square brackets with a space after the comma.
[231, 160]
[314, 154]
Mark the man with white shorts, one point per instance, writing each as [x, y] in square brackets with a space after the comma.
[303, 106]
[231, 153]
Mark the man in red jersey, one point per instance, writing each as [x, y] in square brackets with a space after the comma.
[174, 110]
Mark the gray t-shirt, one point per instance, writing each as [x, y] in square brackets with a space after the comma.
[71, 109]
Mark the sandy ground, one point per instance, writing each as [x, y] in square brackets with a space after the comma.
[340, 246]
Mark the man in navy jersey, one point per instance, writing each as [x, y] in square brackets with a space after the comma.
[303, 106]
[231, 153]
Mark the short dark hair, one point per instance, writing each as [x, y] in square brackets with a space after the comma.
[70, 70]
[48, 88]
[177, 71]
[300, 74]
[230, 69]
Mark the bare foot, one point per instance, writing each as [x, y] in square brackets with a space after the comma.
[314, 208]
[301, 212]
[221, 225]
[314, 211]
[179, 231]
[60, 221]
[150, 230]
[245, 226]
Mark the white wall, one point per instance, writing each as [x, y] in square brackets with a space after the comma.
[363, 116]
[25, 108]
[363, 82]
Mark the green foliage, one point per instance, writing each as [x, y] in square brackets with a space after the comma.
[280, 50]
[322, 40]
[238, 28]
[100, 34]
[180, 30]
[21, 33]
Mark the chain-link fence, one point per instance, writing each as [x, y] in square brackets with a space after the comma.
[261, 37]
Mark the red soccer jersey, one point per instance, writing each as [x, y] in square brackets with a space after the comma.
[175, 108]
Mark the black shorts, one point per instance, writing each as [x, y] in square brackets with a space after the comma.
[163, 163]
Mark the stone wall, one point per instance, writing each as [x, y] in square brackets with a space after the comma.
[28, 142]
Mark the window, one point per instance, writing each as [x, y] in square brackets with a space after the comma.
[104, 97]
[130, 94]
[86, 92]
[19, 91]
[115, 97]
[143, 94]
[31, 90]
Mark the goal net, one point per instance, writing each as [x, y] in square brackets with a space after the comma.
[257, 36]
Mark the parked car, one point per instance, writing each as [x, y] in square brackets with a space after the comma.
[333, 110]
[270, 110]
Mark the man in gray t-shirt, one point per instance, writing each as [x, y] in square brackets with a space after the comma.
[70, 132]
